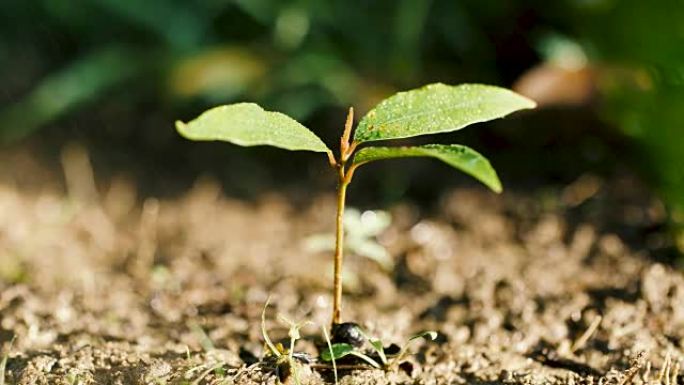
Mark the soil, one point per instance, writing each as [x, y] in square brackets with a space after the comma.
[530, 287]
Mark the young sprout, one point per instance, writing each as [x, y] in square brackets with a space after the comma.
[285, 358]
[293, 332]
[435, 108]
[340, 350]
[429, 335]
[264, 333]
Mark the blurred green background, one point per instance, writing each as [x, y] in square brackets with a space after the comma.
[115, 74]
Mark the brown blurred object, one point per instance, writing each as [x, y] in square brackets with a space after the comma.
[552, 85]
[224, 70]
[78, 173]
[581, 190]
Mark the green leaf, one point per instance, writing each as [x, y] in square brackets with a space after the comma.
[341, 350]
[460, 157]
[429, 335]
[247, 124]
[377, 345]
[338, 351]
[437, 108]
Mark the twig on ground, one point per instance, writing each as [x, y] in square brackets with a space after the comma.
[584, 338]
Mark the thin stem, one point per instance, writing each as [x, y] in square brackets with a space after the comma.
[347, 147]
[339, 245]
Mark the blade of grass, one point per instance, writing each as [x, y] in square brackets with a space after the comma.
[270, 345]
[3, 363]
[432, 335]
[332, 355]
[366, 358]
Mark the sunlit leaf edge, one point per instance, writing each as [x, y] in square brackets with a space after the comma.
[451, 154]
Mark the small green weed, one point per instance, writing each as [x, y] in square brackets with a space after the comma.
[285, 359]
[383, 359]
[287, 362]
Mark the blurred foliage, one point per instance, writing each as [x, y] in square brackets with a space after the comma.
[296, 56]
[84, 79]
[361, 233]
[303, 57]
[638, 49]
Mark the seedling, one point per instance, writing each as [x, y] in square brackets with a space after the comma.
[383, 361]
[435, 108]
[285, 359]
